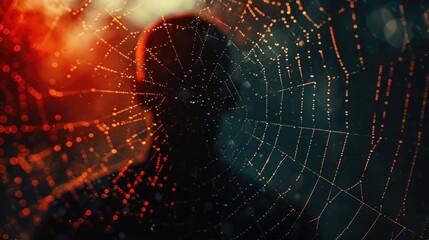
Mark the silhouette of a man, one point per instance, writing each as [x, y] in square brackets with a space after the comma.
[187, 61]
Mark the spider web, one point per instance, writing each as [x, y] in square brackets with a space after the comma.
[330, 116]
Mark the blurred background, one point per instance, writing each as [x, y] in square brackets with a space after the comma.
[331, 114]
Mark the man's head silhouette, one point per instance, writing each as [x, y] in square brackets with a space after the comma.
[184, 61]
